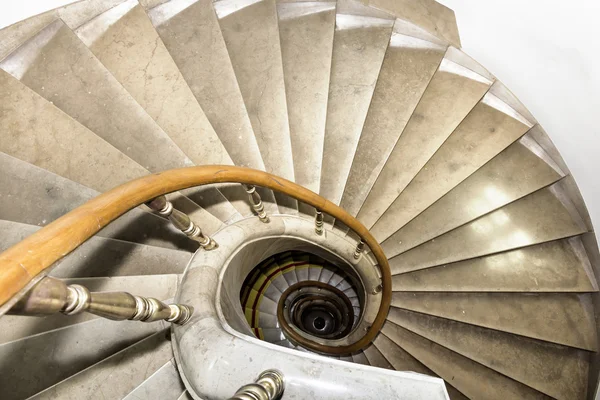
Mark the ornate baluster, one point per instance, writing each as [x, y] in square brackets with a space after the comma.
[256, 202]
[268, 386]
[319, 222]
[360, 247]
[182, 222]
[51, 296]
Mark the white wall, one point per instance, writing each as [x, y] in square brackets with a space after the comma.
[547, 53]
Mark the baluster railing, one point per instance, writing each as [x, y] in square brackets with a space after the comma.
[256, 202]
[319, 222]
[181, 221]
[360, 247]
[268, 386]
[52, 296]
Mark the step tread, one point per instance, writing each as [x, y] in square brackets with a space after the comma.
[472, 379]
[87, 159]
[557, 266]
[116, 376]
[428, 14]
[306, 31]
[511, 175]
[562, 318]
[164, 384]
[359, 47]
[408, 66]
[488, 129]
[127, 44]
[559, 372]
[35, 196]
[58, 66]
[451, 94]
[376, 359]
[542, 216]
[255, 55]
[190, 31]
[35, 363]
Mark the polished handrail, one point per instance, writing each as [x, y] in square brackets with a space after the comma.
[26, 260]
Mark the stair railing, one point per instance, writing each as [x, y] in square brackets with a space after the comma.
[24, 264]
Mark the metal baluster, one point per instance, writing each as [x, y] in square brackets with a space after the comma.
[360, 247]
[52, 296]
[319, 222]
[268, 386]
[182, 222]
[256, 202]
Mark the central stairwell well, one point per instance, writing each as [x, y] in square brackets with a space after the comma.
[332, 190]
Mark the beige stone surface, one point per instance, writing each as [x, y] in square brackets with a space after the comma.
[35, 131]
[251, 34]
[451, 94]
[557, 266]
[488, 129]
[560, 372]
[358, 50]
[562, 318]
[512, 174]
[306, 31]
[410, 61]
[540, 217]
[127, 44]
[471, 378]
[191, 34]
[428, 14]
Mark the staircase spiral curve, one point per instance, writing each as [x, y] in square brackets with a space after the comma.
[435, 229]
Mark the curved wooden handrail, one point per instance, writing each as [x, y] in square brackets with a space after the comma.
[27, 259]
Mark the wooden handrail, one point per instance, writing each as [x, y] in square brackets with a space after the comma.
[27, 259]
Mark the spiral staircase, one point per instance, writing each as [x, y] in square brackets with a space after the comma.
[488, 287]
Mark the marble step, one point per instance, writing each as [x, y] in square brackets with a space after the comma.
[489, 128]
[542, 216]
[360, 41]
[190, 31]
[125, 41]
[411, 60]
[557, 266]
[560, 372]
[35, 363]
[164, 384]
[65, 147]
[306, 32]
[255, 54]
[400, 360]
[474, 380]
[185, 396]
[116, 376]
[58, 66]
[376, 359]
[99, 256]
[360, 358]
[34, 196]
[56, 142]
[519, 170]
[456, 87]
[561, 318]
[162, 287]
[430, 15]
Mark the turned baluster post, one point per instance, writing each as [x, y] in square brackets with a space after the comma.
[52, 296]
[319, 222]
[360, 247]
[269, 386]
[182, 222]
[256, 202]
